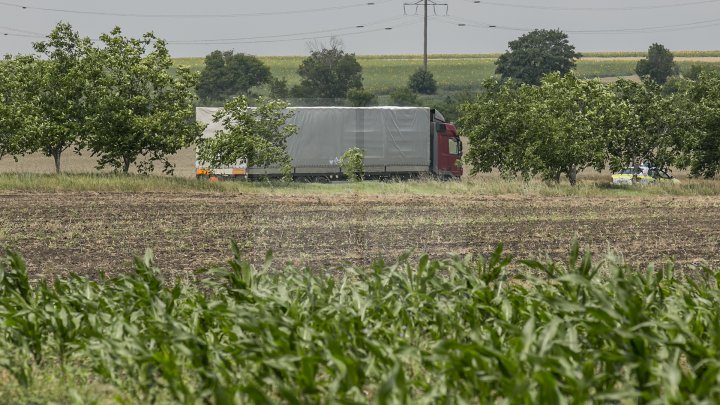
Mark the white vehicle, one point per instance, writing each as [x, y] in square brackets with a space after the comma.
[644, 175]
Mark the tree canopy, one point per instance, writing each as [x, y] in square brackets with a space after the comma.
[656, 128]
[140, 109]
[228, 74]
[55, 92]
[566, 125]
[705, 151]
[536, 54]
[11, 115]
[423, 82]
[658, 65]
[559, 127]
[328, 73]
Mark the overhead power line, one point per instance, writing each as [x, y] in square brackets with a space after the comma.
[15, 34]
[191, 15]
[265, 40]
[362, 27]
[2, 27]
[622, 8]
[657, 28]
[382, 25]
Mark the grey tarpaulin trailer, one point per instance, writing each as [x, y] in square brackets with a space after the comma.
[397, 141]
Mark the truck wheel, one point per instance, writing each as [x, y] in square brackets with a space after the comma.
[321, 179]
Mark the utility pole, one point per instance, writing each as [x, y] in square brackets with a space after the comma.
[426, 4]
[425, 38]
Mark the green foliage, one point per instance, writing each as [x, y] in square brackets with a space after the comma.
[536, 54]
[352, 164]
[566, 125]
[448, 331]
[404, 97]
[705, 150]
[658, 65]
[279, 88]
[361, 98]
[328, 73]
[656, 129]
[695, 70]
[256, 136]
[11, 107]
[55, 90]
[423, 82]
[559, 127]
[140, 110]
[228, 74]
[450, 105]
[675, 85]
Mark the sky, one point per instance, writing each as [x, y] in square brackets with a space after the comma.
[290, 27]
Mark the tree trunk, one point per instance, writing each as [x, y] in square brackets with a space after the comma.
[56, 156]
[636, 169]
[126, 164]
[556, 177]
[572, 175]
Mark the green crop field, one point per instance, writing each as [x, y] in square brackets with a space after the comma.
[384, 74]
[450, 331]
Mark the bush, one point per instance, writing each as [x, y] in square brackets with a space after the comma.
[351, 164]
[423, 82]
[361, 98]
[279, 88]
[404, 97]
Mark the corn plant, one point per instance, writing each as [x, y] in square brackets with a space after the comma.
[463, 330]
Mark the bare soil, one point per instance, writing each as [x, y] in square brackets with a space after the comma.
[91, 232]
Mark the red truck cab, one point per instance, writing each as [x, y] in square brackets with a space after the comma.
[449, 150]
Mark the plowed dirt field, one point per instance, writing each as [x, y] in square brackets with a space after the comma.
[92, 232]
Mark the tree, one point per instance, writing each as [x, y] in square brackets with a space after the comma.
[227, 74]
[140, 108]
[279, 88]
[361, 98]
[536, 54]
[704, 150]
[10, 114]
[559, 127]
[257, 136]
[696, 70]
[658, 65]
[328, 73]
[656, 128]
[497, 125]
[57, 88]
[574, 118]
[423, 82]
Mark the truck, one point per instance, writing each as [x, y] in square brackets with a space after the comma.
[398, 143]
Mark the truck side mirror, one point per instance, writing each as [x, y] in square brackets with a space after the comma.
[440, 128]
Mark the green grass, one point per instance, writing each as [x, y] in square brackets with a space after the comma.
[591, 186]
[451, 331]
[384, 74]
